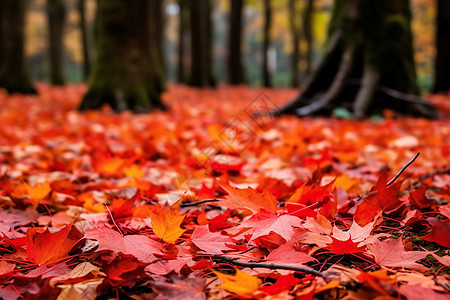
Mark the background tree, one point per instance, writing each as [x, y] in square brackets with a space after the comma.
[13, 71]
[183, 32]
[56, 13]
[266, 43]
[126, 73]
[235, 68]
[157, 28]
[442, 62]
[201, 44]
[307, 32]
[295, 34]
[368, 64]
[81, 7]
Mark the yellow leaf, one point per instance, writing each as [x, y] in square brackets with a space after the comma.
[40, 191]
[166, 223]
[134, 172]
[345, 182]
[241, 284]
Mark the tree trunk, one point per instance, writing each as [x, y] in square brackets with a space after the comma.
[442, 63]
[183, 30]
[368, 65]
[234, 60]
[295, 33]
[201, 44]
[126, 73]
[13, 71]
[266, 43]
[307, 32]
[81, 7]
[56, 12]
[157, 29]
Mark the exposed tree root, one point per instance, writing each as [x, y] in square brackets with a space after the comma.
[336, 87]
[365, 94]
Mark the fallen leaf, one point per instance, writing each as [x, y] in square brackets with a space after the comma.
[241, 283]
[166, 223]
[249, 198]
[440, 232]
[211, 243]
[265, 221]
[47, 247]
[391, 253]
[139, 246]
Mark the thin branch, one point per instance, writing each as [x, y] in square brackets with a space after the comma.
[403, 169]
[269, 266]
[188, 204]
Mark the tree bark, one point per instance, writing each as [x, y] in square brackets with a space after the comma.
[307, 32]
[81, 7]
[295, 34]
[126, 73]
[234, 60]
[157, 29]
[368, 65]
[266, 43]
[13, 70]
[442, 63]
[56, 12]
[201, 44]
[183, 31]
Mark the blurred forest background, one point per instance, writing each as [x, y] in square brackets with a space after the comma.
[279, 52]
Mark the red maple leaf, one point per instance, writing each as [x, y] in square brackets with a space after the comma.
[344, 247]
[380, 198]
[440, 232]
[51, 246]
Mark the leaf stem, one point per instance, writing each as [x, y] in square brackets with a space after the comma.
[107, 208]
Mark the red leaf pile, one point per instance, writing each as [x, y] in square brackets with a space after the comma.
[162, 205]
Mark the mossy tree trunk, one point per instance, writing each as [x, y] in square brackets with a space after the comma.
[368, 63]
[266, 43]
[201, 44]
[13, 70]
[81, 7]
[127, 74]
[235, 69]
[442, 63]
[56, 13]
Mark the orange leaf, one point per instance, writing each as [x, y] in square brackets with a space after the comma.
[49, 247]
[133, 171]
[241, 284]
[39, 191]
[249, 198]
[166, 223]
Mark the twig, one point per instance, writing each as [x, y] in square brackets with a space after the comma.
[110, 214]
[403, 169]
[269, 266]
[188, 204]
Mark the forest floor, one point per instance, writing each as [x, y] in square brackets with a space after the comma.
[206, 202]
